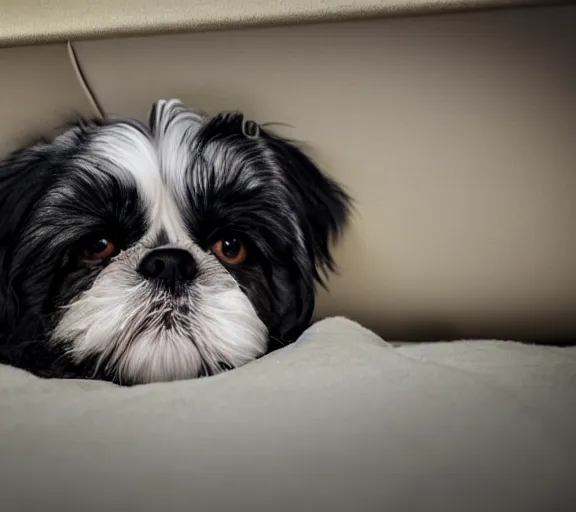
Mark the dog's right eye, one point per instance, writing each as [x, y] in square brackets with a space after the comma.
[97, 249]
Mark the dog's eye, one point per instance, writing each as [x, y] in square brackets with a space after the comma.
[97, 249]
[230, 250]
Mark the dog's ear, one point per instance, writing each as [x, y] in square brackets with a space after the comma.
[24, 178]
[322, 205]
[323, 208]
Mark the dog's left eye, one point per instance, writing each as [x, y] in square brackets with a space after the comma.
[230, 250]
[96, 250]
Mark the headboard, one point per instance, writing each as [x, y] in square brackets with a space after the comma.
[455, 134]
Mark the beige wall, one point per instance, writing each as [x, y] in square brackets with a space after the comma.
[39, 91]
[454, 133]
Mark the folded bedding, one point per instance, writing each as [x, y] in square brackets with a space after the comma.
[340, 420]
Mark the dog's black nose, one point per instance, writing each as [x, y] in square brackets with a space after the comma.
[169, 265]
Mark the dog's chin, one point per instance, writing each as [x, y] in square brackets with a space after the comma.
[172, 354]
[160, 355]
[157, 352]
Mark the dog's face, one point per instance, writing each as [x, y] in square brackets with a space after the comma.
[171, 250]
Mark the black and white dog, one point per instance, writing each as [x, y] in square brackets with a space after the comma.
[169, 250]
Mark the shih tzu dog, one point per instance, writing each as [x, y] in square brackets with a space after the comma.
[172, 249]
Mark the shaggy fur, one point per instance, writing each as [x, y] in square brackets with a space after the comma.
[169, 188]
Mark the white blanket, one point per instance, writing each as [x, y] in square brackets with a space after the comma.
[340, 420]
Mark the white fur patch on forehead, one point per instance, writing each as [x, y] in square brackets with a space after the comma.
[169, 117]
[174, 126]
[131, 153]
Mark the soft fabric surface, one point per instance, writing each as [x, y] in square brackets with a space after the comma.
[340, 420]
